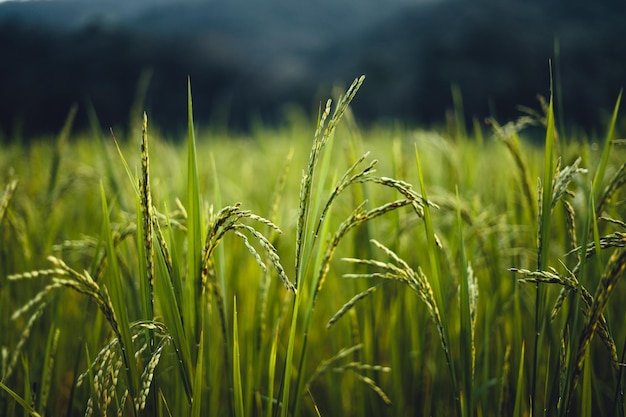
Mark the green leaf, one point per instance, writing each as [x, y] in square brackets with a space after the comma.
[21, 401]
[119, 305]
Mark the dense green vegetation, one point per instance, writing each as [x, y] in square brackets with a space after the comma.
[297, 271]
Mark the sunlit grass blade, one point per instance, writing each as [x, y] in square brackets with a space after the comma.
[196, 403]
[467, 321]
[122, 330]
[194, 231]
[237, 382]
[520, 398]
[271, 371]
[599, 175]
[166, 294]
[544, 221]
[435, 282]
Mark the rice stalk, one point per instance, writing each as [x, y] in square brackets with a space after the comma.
[305, 240]
[508, 134]
[147, 216]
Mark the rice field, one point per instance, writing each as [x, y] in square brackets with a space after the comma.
[317, 268]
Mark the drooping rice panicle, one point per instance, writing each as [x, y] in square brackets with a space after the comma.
[508, 134]
[615, 183]
[570, 223]
[372, 384]
[416, 280]
[348, 178]
[348, 305]
[23, 339]
[614, 221]
[272, 254]
[614, 240]
[361, 367]
[328, 363]
[357, 218]
[7, 195]
[615, 268]
[148, 375]
[563, 179]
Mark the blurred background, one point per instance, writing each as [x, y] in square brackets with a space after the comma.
[254, 60]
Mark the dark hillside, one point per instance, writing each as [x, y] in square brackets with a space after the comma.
[248, 59]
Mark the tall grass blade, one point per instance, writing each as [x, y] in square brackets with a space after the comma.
[21, 401]
[520, 401]
[237, 383]
[271, 370]
[171, 311]
[544, 221]
[467, 320]
[436, 284]
[122, 328]
[599, 176]
[196, 403]
[194, 230]
[586, 398]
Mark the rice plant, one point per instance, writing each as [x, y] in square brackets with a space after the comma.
[401, 272]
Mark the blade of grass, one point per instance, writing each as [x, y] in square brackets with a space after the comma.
[271, 373]
[237, 383]
[543, 239]
[194, 231]
[466, 326]
[519, 392]
[21, 401]
[586, 398]
[119, 306]
[433, 255]
[196, 403]
[599, 175]
[166, 294]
